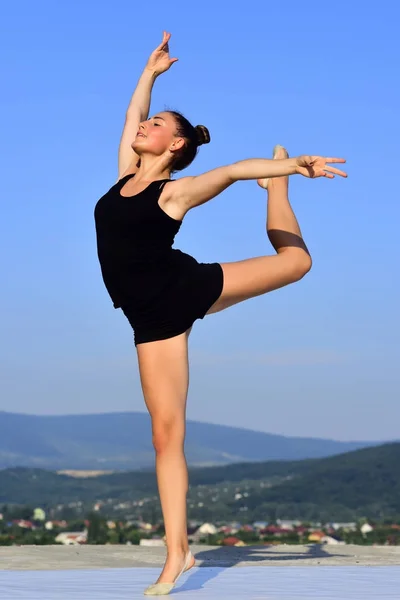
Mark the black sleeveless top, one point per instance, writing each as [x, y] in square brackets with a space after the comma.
[134, 242]
[161, 290]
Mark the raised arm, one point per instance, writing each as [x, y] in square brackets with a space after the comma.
[139, 106]
[189, 192]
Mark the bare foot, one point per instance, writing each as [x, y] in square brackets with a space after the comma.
[279, 152]
[173, 566]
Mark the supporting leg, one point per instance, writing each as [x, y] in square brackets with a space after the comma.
[164, 376]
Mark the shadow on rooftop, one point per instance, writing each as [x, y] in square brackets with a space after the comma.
[222, 558]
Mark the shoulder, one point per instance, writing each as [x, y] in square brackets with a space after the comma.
[172, 197]
[175, 190]
[130, 170]
[174, 187]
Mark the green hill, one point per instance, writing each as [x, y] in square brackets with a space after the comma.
[347, 486]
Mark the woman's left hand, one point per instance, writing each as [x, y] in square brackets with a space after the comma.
[159, 60]
[317, 166]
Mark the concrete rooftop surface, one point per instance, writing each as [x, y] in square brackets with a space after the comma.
[122, 572]
[34, 558]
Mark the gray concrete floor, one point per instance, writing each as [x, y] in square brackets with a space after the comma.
[37, 558]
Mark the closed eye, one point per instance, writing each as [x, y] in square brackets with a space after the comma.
[156, 119]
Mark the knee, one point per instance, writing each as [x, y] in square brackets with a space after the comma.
[168, 434]
[304, 265]
[301, 264]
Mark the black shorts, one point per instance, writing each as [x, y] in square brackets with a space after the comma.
[188, 297]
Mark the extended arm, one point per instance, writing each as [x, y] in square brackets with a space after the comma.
[193, 191]
[139, 106]
[138, 111]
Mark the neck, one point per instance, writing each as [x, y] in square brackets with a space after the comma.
[153, 167]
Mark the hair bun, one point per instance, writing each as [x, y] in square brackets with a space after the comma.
[203, 135]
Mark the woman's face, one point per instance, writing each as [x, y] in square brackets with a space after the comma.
[157, 135]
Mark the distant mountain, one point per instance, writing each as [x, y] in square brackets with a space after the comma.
[362, 483]
[121, 441]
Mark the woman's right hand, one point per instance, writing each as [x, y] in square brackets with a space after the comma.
[159, 60]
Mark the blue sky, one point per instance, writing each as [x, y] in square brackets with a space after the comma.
[319, 358]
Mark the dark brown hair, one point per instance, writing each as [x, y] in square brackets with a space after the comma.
[193, 136]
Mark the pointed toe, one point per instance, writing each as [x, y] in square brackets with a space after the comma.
[159, 589]
[163, 589]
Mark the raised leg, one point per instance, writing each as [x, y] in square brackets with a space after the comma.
[164, 376]
[256, 276]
